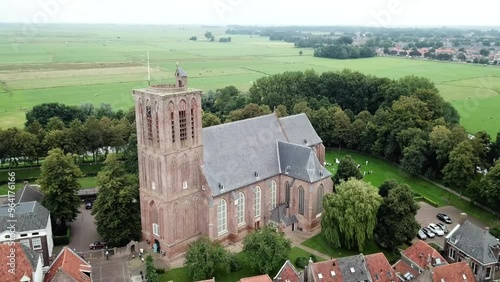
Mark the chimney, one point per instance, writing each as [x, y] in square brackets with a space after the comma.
[463, 218]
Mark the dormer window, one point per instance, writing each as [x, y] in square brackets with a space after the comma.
[221, 186]
[256, 174]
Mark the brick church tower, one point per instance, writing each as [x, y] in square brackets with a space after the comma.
[170, 149]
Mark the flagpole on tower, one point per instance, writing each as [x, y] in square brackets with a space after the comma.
[149, 73]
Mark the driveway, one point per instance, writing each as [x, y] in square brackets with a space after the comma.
[83, 231]
[427, 214]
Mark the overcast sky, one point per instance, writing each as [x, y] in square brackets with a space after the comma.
[387, 13]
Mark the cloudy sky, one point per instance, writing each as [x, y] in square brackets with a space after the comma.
[387, 13]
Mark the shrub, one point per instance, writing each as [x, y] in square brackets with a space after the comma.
[234, 264]
[160, 270]
[62, 240]
[301, 262]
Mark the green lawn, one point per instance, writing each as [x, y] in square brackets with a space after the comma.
[73, 64]
[383, 170]
[321, 244]
[298, 252]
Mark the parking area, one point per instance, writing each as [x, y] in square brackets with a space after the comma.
[83, 231]
[427, 214]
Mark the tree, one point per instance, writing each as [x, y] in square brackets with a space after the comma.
[59, 184]
[116, 209]
[386, 187]
[249, 111]
[193, 38]
[44, 112]
[151, 274]
[208, 119]
[490, 187]
[396, 221]
[209, 36]
[266, 249]
[131, 156]
[281, 111]
[460, 170]
[54, 123]
[350, 215]
[347, 168]
[484, 52]
[204, 257]
[301, 53]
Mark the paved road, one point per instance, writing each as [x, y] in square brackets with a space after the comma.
[427, 214]
[83, 231]
[111, 270]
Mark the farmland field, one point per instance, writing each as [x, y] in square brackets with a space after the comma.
[73, 64]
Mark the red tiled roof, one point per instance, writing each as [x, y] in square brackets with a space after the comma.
[329, 270]
[208, 280]
[71, 264]
[288, 273]
[402, 268]
[454, 272]
[419, 253]
[260, 278]
[21, 267]
[380, 269]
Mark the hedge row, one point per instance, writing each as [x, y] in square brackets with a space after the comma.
[427, 200]
[62, 240]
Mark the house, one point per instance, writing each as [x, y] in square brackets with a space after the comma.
[222, 181]
[324, 271]
[207, 280]
[260, 278]
[470, 243]
[29, 224]
[288, 273]
[379, 268]
[416, 259]
[352, 268]
[69, 266]
[28, 193]
[455, 272]
[19, 263]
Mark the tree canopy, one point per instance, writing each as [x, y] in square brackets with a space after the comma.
[350, 215]
[59, 185]
[204, 257]
[266, 249]
[347, 168]
[116, 209]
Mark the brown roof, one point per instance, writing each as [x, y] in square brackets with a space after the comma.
[402, 268]
[380, 269]
[260, 278]
[420, 253]
[329, 270]
[68, 264]
[22, 265]
[288, 273]
[208, 280]
[454, 272]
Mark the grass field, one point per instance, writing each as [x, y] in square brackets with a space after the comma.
[73, 64]
[383, 170]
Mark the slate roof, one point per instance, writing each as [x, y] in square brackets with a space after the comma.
[475, 242]
[181, 72]
[278, 215]
[235, 152]
[297, 128]
[300, 162]
[287, 273]
[28, 194]
[454, 272]
[29, 216]
[353, 268]
[68, 266]
[26, 262]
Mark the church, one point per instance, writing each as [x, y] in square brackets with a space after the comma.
[222, 181]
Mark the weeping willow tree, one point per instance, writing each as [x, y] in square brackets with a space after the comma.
[350, 215]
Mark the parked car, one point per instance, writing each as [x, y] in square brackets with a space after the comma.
[428, 232]
[444, 218]
[443, 227]
[434, 228]
[88, 206]
[97, 245]
[421, 234]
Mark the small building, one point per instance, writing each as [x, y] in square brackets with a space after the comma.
[19, 263]
[288, 273]
[32, 228]
[259, 278]
[418, 258]
[69, 266]
[379, 268]
[476, 246]
[455, 272]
